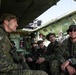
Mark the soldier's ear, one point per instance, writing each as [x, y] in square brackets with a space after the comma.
[6, 22]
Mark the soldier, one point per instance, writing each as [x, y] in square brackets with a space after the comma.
[53, 53]
[7, 64]
[32, 57]
[41, 52]
[69, 52]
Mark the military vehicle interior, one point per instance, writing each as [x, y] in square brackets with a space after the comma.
[59, 24]
[25, 10]
[29, 10]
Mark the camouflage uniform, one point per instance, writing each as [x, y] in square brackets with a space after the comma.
[53, 58]
[7, 65]
[68, 51]
[33, 55]
[42, 52]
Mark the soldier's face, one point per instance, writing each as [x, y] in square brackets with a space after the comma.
[41, 45]
[72, 33]
[52, 38]
[12, 25]
[34, 45]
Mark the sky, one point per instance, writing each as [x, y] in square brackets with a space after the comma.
[62, 7]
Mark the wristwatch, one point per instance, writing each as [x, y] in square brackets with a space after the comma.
[70, 60]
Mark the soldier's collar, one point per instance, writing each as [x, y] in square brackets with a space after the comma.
[1, 26]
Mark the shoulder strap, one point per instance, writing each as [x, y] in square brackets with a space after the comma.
[6, 35]
[10, 42]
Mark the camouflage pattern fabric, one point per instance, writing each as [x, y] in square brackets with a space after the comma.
[33, 55]
[25, 72]
[54, 58]
[53, 51]
[54, 67]
[7, 65]
[68, 51]
[42, 52]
